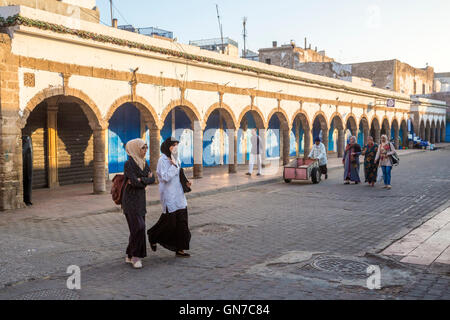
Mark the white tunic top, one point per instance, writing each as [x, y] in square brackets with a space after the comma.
[170, 189]
[319, 152]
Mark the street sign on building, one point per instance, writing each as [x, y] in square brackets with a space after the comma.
[390, 103]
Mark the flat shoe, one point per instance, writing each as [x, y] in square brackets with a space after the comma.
[128, 260]
[153, 246]
[182, 254]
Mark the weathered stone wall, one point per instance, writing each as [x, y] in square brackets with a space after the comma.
[380, 72]
[91, 14]
[412, 80]
[288, 56]
[11, 193]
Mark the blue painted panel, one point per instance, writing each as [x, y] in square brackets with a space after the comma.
[124, 125]
[447, 131]
[361, 135]
[400, 137]
[292, 142]
[211, 141]
[331, 140]
[273, 138]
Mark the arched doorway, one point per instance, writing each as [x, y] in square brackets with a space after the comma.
[302, 135]
[428, 131]
[375, 130]
[363, 131]
[336, 137]
[385, 129]
[67, 139]
[320, 129]
[403, 135]
[251, 119]
[422, 130]
[219, 140]
[278, 139]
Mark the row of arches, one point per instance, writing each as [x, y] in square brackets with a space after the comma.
[95, 147]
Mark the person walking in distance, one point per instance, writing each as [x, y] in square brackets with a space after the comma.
[172, 230]
[255, 154]
[318, 152]
[137, 176]
[385, 150]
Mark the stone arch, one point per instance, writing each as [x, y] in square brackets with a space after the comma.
[259, 119]
[433, 132]
[88, 106]
[303, 118]
[229, 117]
[375, 130]
[364, 128]
[336, 124]
[284, 134]
[351, 121]
[428, 131]
[422, 129]
[385, 127]
[187, 106]
[322, 119]
[404, 129]
[147, 111]
[95, 121]
[396, 128]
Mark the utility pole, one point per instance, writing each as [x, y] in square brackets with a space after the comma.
[111, 7]
[244, 22]
[220, 27]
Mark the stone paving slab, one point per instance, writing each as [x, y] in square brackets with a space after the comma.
[426, 244]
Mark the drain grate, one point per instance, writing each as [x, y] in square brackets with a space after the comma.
[341, 266]
[50, 294]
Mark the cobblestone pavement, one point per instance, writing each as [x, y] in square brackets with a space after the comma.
[275, 241]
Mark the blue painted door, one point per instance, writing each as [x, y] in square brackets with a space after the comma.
[124, 125]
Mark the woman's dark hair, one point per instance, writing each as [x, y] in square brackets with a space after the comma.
[165, 146]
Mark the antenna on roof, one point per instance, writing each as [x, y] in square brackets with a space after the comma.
[220, 27]
[112, 17]
[244, 34]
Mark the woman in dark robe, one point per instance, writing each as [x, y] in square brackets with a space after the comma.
[172, 230]
[370, 165]
[137, 176]
[351, 162]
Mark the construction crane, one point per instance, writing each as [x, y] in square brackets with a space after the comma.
[220, 27]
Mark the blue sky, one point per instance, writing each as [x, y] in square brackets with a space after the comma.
[413, 31]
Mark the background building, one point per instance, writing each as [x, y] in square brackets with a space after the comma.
[290, 56]
[231, 47]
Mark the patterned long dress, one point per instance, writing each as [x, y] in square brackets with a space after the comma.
[370, 166]
[351, 168]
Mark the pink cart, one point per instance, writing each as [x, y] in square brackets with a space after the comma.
[301, 169]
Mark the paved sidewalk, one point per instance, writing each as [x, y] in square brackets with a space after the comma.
[78, 200]
[428, 244]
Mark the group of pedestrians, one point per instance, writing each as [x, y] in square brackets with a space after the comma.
[376, 157]
[171, 230]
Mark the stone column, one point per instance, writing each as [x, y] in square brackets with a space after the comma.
[286, 145]
[432, 135]
[325, 138]
[443, 133]
[232, 150]
[438, 135]
[99, 161]
[427, 134]
[297, 137]
[263, 134]
[341, 143]
[307, 143]
[52, 138]
[155, 138]
[198, 150]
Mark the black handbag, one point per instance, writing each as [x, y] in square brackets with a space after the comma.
[184, 181]
[394, 157]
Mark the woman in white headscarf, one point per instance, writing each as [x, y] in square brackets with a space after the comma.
[137, 176]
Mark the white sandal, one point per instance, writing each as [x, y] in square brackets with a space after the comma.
[128, 260]
[137, 264]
